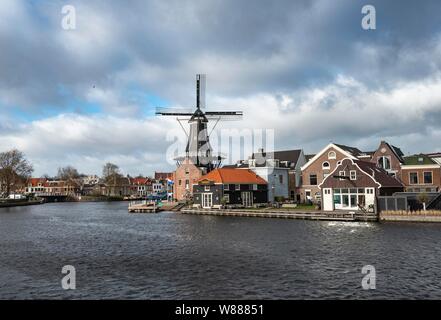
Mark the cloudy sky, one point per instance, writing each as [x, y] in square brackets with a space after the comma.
[305, 69]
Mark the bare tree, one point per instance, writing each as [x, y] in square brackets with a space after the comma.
[68, 173]
[14, 169]
[111, 172]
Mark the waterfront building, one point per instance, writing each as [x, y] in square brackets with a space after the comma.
[230, 187]
[118, 187]
[421, 173]
[355, 184]
[280, 169]
[321, 165]
[184, 177]
[142, 186]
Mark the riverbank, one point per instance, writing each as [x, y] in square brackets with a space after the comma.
[285, 214]
[7, 203]
[405, 216]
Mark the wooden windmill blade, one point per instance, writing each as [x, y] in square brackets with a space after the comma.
[224, 115]
[201, 82]
[179, 112]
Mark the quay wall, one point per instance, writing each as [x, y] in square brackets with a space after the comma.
[406, 216]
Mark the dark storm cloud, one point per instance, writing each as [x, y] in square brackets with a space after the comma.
[290, 64]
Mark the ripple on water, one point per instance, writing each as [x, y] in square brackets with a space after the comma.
[173, 256]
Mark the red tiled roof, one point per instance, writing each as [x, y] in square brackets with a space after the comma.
[233, 176]
[141, 181]
[35, 181]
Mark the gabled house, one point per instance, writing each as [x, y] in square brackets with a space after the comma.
[231, 187]
[354, 184]
[421, 173]
[142, 186]
[388, 157]
[321, 165]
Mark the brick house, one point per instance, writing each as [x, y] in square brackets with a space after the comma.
[421, 173]
[321, 165]
[238, 188]
[354, 184]
[184, 177]
[388, 157]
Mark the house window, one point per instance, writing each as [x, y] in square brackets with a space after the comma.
[254, 186]
[180, 182]
[413, 177]
[428, 177]
[280, 179]
[187, 184]
[207, 188]
[326, 165]
[341, 174]
[227, 198]
[226, 187]
[313, 179]
[370, 191]
[384, 162]
[353, 175]
[187, 171]
[237, 187]
[332, 155]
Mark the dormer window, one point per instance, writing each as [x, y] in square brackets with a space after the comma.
[332, 155]
[326, 165]
[384, 162]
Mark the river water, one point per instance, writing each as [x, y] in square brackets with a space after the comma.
[169, 255]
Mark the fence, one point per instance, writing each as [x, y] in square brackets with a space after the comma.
[403, 201]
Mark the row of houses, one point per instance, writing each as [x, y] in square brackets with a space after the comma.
[118, 186]
[338, 177]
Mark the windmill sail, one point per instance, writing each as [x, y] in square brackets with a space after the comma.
[198, 147]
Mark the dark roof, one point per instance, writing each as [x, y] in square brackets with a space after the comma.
[418, 159]
[434, 154]
[397, 152]
[288, 155]
[309, 157]
[379, 174]
[352, 150]
[292, 156]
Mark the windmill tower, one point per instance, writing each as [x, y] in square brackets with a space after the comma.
[198, 147]
[198, 151]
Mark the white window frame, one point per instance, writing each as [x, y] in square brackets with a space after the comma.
[227, 187]
[353, 175]
[328, 167]
[206, 188]
[333, 156]
[237, 187]
[341, 173]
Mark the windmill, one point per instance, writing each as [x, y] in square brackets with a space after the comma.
[198, 148]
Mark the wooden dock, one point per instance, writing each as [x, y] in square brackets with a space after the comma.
[286, 214]
[143, 207]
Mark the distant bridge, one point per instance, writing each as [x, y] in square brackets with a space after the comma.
[55, 197]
